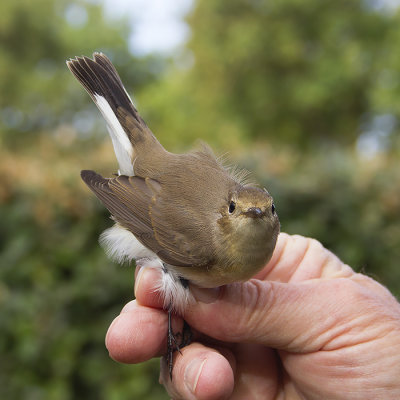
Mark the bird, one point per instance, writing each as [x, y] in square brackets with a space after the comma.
[189, 214]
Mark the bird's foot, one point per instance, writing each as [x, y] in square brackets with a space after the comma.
[172, 340]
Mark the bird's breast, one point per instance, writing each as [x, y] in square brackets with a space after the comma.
[241, 251]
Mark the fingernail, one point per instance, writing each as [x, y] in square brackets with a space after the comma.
[205, 295]
[137, 269]
[192, 373]
[139, 276]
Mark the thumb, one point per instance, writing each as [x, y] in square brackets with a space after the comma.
[297, 317]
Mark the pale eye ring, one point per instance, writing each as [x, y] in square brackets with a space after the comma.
[273, 210]
[232, 206]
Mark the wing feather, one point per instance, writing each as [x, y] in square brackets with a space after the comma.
[133, 202]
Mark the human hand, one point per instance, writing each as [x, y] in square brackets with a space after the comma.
[306, 327]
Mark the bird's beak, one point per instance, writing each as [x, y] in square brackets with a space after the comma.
[254, 212]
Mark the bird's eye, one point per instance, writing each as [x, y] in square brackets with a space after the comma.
[232, 206]
[273, 209]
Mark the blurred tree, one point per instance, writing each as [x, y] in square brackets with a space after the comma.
[36, 91]
[58, 292]
[350, 204]
[265, 80]
[299, 72]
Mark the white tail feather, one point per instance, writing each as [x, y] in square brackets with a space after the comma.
[122, 146]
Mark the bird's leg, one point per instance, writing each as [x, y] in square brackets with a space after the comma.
[172, 338]
[186, 331]
[172, 343]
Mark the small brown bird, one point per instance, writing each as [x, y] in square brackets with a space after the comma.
[201, 223]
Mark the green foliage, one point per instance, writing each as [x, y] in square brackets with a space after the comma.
[36, 38]
[289, 87]
[58, 292]
[294, 71]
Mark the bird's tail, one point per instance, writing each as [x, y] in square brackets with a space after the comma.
[127, 129]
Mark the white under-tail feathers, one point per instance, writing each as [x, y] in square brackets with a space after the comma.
[122, 246]
[175, 295]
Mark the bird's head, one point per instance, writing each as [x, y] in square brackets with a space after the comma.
[250, 205]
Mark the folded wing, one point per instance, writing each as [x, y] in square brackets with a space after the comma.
[132, 201]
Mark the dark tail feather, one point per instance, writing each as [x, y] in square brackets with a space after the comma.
[100, 78]
[130, 134]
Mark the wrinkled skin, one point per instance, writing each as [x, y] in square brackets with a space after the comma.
[306, 327]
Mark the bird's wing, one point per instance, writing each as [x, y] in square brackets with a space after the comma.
[133, 202]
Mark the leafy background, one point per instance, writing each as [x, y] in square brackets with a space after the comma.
[306, 94]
